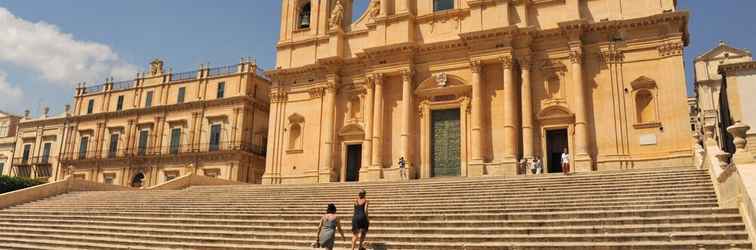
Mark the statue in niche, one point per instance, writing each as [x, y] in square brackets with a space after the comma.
[375, 8]
[156, 67]
[337, 15]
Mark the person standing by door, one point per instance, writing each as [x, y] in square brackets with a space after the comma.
[565, 162]
[538, 165]
[402, 168]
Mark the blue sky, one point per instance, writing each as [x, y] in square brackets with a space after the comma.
[54, 44]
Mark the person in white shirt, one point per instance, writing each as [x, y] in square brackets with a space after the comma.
[537, 166]
[565, 162]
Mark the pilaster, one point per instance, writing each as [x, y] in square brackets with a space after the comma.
[326, 170]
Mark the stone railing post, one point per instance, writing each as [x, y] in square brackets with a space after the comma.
[738, 132]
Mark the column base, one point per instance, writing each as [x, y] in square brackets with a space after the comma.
[372, 174]
[391, 174]
[476, 169]
[507, 167]
[583, 163]
[324, 177]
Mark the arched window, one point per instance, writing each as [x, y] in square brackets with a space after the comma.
[645, 107]
[304, 16]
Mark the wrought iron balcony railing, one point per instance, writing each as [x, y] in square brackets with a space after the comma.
[184, 76]
[123, 85]
[223, 70]
[145, 152]
[94, 89]
[36, 160]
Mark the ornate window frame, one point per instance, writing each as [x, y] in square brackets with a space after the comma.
[298, 15]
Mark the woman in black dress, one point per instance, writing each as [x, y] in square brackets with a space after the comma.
[360, 222]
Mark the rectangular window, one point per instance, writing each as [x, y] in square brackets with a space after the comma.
[221, 89]
[143, 137]
[441, 5]
[148, 99]
[26, 154]
[119, 103]
[83, 147]
[215, 135]
[2, 165]
[3, 130]
[46, 153]
[113, 149]
[108, 180]
[175, 140]
[181, 95]
[90, 107]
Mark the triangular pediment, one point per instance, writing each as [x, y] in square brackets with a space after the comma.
[723, 51]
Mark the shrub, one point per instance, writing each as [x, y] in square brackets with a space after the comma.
[12, 183]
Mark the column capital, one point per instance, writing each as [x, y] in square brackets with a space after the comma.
[475, 65]
[576, 55]
[506, 61]
[407, 74]
[377, 78]
[524, 61]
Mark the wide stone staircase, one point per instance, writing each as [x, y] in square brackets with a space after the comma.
[649, 209]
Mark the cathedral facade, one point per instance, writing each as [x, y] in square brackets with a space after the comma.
[471, 87]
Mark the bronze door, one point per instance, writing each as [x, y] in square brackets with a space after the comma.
[445, 143]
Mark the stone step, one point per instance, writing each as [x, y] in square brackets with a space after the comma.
[448, 210]
[248, 232]
[401, 215]
[195, 222]
[409, 241]
[378, 204]
[471, 197]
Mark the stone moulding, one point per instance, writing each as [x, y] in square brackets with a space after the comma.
[69, 184]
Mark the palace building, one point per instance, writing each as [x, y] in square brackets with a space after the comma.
[156, 127]
[470, 87]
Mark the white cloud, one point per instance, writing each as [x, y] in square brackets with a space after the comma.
[57, 57]
[10, 95]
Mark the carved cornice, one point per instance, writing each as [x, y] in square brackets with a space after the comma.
[278, 96]
[489, 39]
[735, 67]
[390, 54]
[300, 75]
[671, 49]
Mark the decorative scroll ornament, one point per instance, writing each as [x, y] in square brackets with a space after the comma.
[506, 61]
[671, 49]
[441, 79]
[576, 56]
[337, 15]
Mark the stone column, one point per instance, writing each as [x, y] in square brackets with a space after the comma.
[384, 8]
[510, 112]
[367, 145]
[527, 108]
[378, 123]
[477, 114]
[326, 158]
[581, 155]
[407, 114]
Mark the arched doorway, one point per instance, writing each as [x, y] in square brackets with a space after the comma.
[138, 180]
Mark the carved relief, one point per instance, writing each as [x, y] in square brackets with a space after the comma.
[441, 79]
[554, 82]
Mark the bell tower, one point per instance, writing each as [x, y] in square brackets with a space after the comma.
[302, 22]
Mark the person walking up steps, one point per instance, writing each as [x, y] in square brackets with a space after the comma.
[360, 221]
[327, 229]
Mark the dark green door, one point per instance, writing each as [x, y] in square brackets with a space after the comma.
[445, 143]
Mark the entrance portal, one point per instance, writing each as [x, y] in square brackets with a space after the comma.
[353, 161]
[556, 142]
[445, 143]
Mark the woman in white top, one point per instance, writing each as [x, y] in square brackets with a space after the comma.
[565, 162]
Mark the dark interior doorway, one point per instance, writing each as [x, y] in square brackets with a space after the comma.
[354, 161]
[556, 142]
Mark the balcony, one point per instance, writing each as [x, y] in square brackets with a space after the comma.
[166, 151]
[33, 167]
